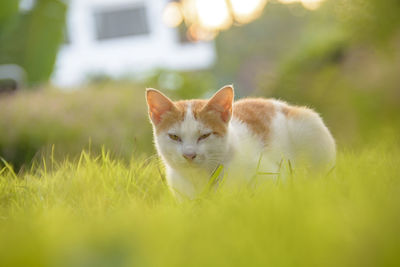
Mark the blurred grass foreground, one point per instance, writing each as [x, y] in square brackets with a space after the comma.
[98, 211]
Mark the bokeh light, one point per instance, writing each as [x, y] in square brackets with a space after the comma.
[213, 14]
[308, 4]
[172, 16]
[196, 33]
[288, 1]
[206, 18]
[246, 11]
[311, 4]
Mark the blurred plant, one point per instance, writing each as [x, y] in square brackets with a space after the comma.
[111, 115]
[342, 59]
[342, 72]
[374, 21]
[247, 53]
[31, 38]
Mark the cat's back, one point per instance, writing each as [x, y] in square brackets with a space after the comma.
[257, 114]
[290, 129]
[262, 114]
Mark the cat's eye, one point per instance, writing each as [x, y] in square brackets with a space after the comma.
[175, 137]
[204, 136]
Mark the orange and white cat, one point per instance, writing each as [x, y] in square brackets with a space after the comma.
[194, 137]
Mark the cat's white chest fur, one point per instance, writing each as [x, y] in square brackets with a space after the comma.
[239, 163]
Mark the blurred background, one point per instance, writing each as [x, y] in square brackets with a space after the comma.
[73, 73]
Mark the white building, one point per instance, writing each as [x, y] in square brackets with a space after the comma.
[119, 37]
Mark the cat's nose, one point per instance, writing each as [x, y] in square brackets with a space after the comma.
[189, 156]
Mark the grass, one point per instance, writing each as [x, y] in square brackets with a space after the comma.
[100, 211]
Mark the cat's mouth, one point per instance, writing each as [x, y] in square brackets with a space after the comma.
[196, 163]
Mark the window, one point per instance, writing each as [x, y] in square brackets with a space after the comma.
[121, 23]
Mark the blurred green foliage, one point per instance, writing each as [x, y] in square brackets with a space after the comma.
[111, 115]
[349, 73]
[375, 21]
[343, 60]
[247, 52]
[176, 84]
[31, 39]
[182, 85]
[8, 9]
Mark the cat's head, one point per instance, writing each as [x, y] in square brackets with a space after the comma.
[191, 133]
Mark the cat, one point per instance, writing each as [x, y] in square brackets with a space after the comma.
[195, 137]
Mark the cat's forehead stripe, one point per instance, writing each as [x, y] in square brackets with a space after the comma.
[188, 111]
[209, 119]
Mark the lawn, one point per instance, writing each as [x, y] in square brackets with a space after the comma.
[97, 210]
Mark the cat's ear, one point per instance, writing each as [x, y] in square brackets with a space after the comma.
[158, 104]
[222, 102]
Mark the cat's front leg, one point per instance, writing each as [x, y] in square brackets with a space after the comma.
[181, 187]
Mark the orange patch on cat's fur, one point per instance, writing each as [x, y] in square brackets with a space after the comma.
[295, 111]
[162, 111]
[212, 120]
[257, 113]
[209, 118]
[168, 119]
[177, 114]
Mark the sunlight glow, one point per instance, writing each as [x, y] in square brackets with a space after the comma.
[189, 11]
[288, 1]
[213, 14]
[204, 19]
[196, 33]
[311, 4]
[247, 10]
[172, 15]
